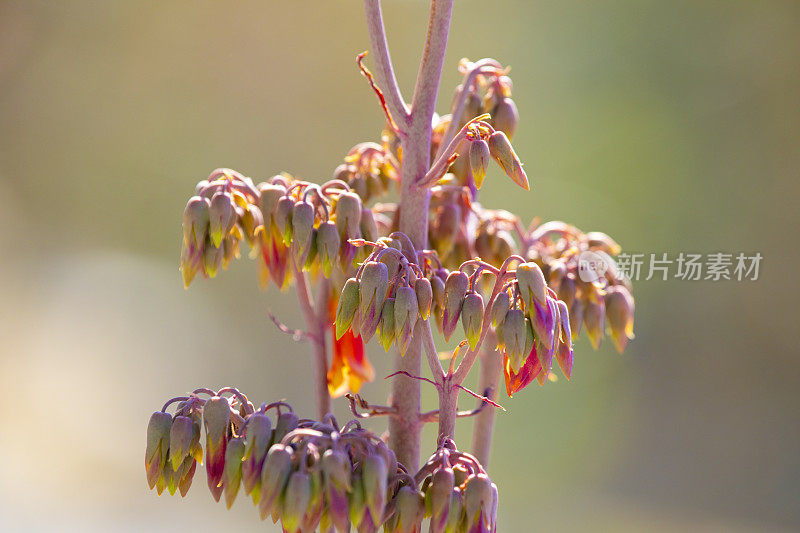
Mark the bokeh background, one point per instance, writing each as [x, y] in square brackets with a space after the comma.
[673, 126]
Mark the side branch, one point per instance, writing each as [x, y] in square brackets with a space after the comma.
[430, 70]
[383, 61]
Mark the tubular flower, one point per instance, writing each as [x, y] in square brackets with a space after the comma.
[349, 367]
[531, 368]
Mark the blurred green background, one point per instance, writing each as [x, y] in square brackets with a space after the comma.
[672, 126]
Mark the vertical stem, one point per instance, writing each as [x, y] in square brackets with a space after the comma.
[448, 407]
[491, 368]
[317, 326]
[405, 427]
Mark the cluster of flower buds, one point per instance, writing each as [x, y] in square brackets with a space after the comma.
[283, 219]
[388, 294]
[369, 169]
[581, 269]
[458, 493]
[533, 328]
[223, 212]
[312, 475]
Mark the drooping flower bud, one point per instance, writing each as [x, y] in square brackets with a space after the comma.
[180, 440]
[195, 221]
[594, 320]
[283, 219]
[439, 495]
[212, 258]
[347, 307]
[372, 293]
[368, 226]
[295, 501]
[424, 291]
[336, 470]
[532, 284]
[456, 518]
[374, 477]
[302, 226]
[269, 196]
[445, 228]
[479, 158]
[274, 476]
[479, 503]
[216, 418]
[502, 152]
[328, 243]
[576, 317]
[386, 329]
[348, 214]
[357, 502]
[259, 436]
[232, 473]
[406, 311]
[286, 422]
[514, 337]
[564, 354]
[455, 289]
[222, 216]
[437, 286]
[472, 318]
[157, 450]
[505, 116]
[500, 307]
[619, 313]
[409, 511]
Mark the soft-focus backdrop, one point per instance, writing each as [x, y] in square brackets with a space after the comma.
[673, 126]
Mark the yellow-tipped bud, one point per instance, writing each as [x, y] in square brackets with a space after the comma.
[472, 318]
[479, 157]
[348, 305]
[502, 152]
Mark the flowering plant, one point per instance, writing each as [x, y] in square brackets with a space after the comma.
[364, 269]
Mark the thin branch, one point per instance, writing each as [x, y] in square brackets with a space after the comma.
[357, 401]
[383, 61]
[443, 161]
[430, 351]
[412, 376]
[433, 416]
[367, 74]
[296, 334]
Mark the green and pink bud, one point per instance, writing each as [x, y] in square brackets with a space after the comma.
[406, 312]
[472, 318]
[216, 418]
[455, 290]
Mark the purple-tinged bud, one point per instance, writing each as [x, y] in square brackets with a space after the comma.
[311, 263]
[347, 307]
[545, 320]
[188, 470]
[472, 318]
[156, 453]
[302, 226]
[479, 158]
[195, 221]
[564, 354]
[455, 289]
[316, 504]
[202, 184]
[406, 312]
[531, 284]
[180, 440]
[286, 422]
[409, 511]
[439, 494]
[368, 226]
[259, 436]
[386, 331]
[232, 474]
[191, 262]
[212, 258]
[514, 333]
[348, 214]
[357, 502]
[372, 293]
[502, 152]
[216, 418]
[473, 107]
[619, 313]
[392, 263]
[456, 519]
[437, 285]
[222, 216]
[556, 274]
[274, 475]
[505, 116]
[529, 337]
[479, 503]
[566, 290]
[269, 196]
[328, 243]
[283, 219]
[424, 292]
[500, 308]
[374, 478]
[295, 501]
[445, 228]
[594, 320]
